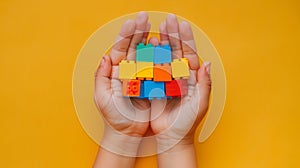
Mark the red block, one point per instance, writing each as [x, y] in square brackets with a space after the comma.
[131, 88]
[176, 88]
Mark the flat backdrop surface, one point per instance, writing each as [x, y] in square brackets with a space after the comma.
[258, 42]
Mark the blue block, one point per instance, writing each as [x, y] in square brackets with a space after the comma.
[162, 54]
[142, 94]
[144, 53]
[154, 90]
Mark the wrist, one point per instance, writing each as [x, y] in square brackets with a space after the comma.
[181, 146]
[181, 155]
[168, 142]
[119, 143]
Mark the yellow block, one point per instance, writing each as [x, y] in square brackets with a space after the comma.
[180, 68]
[144, 69]
[127, 70]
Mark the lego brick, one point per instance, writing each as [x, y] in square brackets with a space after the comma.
[176, 88]
[144, 70]
[162, 54]
[127, 70]
[142, 95]
[154, 90]
[180, 68]
[162, 72]
[144, 53]
[131, 88]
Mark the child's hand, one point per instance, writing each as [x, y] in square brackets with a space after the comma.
[126, 120]
[174, 121]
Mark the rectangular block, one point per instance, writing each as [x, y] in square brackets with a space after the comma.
[162, 72]
[154, 90]
[127, 70]
[131, 88]
[180, 68]
[176, 88]
[162, 54]
[142, 94]
[144, 53]
[144, 70]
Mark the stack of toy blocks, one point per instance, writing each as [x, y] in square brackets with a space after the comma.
[154, 74]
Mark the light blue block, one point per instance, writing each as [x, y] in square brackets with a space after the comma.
[154, 90]
[144, 53]
[162, 54]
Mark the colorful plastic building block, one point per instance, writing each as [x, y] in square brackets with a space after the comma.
[180, 68]
[162, 72]
[176, 88]
[127, 70]
[154, 90]
[131, 88]
[153, 65]
[144, 70]
[144, 53]
[162, 54]
[142, 96]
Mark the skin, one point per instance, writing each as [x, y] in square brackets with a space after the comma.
[161, 121]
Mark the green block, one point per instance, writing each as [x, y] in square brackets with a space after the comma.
[144, 53]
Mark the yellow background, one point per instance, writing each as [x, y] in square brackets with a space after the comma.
[258, 42]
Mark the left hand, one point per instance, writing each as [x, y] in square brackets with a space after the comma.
[176, 122]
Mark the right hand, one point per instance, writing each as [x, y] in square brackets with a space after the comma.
[128, 116]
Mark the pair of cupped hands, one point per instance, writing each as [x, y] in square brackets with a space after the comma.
[168, 119]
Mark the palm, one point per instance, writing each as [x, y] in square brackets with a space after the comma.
[129, 116]
[181, 116]
[164, 120]
[121, 113]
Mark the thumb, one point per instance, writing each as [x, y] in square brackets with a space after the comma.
[102, 80]
[204, 85]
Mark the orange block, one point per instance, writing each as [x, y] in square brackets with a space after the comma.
[162, 72]
[131, 88]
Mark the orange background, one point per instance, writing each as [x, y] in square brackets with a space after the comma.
[258, 42]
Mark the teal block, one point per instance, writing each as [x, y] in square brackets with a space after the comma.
[144, 53]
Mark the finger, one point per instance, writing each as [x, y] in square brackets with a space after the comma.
[164, 38]
[120, 48]
[146, 33]
[188, 45]
[174, 38]
[153, 41]
[204, 85]
[141, 27]
[192, 81]
[102, 79]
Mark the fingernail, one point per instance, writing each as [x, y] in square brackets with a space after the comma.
[207, 67]
[102, 62]
[172, 15]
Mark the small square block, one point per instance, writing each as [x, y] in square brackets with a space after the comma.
[144, 70]
[127, 70]
[180, 68]
[131, 88]
[154, 90]
[162, 72]
[176, 88]
[162, 54]
[144, 53]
